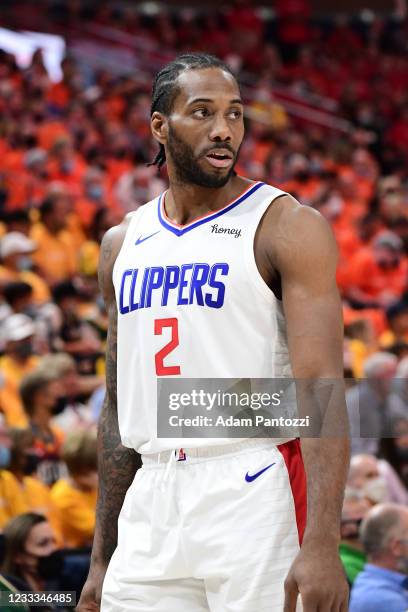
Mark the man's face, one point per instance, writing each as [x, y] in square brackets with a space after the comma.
[205, 128]
[364, 477]
[386, 258]
[363, 469]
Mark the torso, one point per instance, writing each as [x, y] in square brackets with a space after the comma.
[201, 284]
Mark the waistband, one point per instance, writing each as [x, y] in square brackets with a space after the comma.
[208, 452]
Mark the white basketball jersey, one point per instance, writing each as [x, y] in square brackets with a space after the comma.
[192, 303]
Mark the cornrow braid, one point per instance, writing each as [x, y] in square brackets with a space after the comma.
[165, 87]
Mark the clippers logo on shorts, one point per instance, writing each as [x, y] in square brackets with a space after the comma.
[192, 283]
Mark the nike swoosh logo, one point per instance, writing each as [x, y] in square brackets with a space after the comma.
[140, 239]
[249, 478]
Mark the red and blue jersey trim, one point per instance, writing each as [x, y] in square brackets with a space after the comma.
[179, 230]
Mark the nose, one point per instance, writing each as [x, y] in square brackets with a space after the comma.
[220, 130]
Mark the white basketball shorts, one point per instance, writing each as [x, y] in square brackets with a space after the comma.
[210, 529]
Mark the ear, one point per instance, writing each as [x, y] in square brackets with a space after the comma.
[158, 125]
[396, 547]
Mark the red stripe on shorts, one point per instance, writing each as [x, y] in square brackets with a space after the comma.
[292, 455]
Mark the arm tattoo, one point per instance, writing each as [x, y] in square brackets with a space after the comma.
[117, 464]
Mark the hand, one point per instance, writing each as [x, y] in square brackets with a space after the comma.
[90, 599]
[318, 575]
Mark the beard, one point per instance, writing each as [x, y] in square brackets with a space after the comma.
[187, 167]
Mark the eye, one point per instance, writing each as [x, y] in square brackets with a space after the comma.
[236, 113]
[201, 113]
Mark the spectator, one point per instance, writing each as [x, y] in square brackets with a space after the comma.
[75, 496]
[5, 588]
[95, 196]
[56, 255]
[32, 561]
[397, 317]
[375, 480]
[40, 393]
[79, 338]
[395, 449]
[103, 219]
[17, 334]
[16, 251]
[382, 585]
[70, 414]
[12, 502]
[365, 480]
[24, 463]
[371, 405]
[378, 274]
[355, 507]
[19, 296]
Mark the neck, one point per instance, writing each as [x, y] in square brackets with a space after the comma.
[36, 584]
[51, 229]
[186, 202]
[19, 474]
[385, 563]
[41, 418]
[18, 358]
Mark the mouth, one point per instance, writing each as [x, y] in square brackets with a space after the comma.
[220, 158]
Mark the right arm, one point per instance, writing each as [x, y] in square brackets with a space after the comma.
[117, 465]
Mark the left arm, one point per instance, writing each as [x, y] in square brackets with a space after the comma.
[305, 255]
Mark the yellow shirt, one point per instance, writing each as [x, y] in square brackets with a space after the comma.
[38, 498]
[388, 338]
[12, 499]
[11, 405]
[41, 292]
[56, 255]
[89, 257]
[76, 513]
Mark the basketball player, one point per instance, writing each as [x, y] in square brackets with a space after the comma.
[221, 525]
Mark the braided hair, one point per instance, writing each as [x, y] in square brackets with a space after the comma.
[165, 87]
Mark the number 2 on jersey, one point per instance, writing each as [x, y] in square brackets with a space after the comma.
[159, 325]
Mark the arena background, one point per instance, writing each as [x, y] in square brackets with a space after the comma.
[326, 87]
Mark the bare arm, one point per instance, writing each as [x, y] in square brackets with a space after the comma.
[117, 464]
[305, 254]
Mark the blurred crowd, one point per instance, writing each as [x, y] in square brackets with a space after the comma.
[74, 160]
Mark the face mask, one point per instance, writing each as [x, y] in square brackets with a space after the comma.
[402, 453]
[388, 264]
[60, 405]
[25, 349]
[95, 192]
[349, 528]
[5, 457]
[50, 566]
[24, 263]
[31, 463]
[375, 490]
[67, 167]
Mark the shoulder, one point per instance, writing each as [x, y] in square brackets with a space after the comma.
[287, 214]
[112, 241]
[34, 485]
[294, 233]
[59, 488]
[367, 594]
[9, 478]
